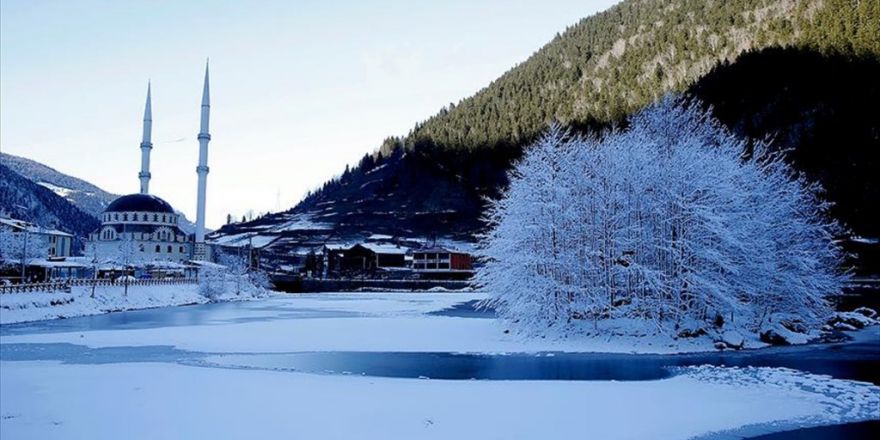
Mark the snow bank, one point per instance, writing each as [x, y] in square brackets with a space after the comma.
[37, 306]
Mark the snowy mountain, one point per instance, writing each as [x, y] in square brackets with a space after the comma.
[434, 182]
[23, 199]
[82, 194]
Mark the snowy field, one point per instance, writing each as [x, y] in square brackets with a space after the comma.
[66, 396]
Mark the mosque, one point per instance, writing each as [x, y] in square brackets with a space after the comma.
[143, 227]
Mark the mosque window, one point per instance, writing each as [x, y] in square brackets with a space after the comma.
[116, 217]
[125, 217]
[181, 249]
[169, 249]
[158, 249]
[155, 217]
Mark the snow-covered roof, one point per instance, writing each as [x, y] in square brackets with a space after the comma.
[160, 264]
[385, 248]
[379, 237]
[30, 227]
[439, 249]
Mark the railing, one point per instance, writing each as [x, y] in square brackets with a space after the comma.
[64, 286]
[36, 287]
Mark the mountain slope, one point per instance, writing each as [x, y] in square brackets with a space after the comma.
[616, 62]
[434, 182]
[84, 195]
[23, 199]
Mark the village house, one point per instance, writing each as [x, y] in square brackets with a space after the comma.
[441, 262]
[43, 242]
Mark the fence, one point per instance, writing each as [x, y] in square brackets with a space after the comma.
[297, 284]
[64, 286]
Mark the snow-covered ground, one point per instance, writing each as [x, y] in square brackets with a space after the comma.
[36, 306]
[72, 398]
[149, 401]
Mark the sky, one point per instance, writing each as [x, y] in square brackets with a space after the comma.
[299, 89]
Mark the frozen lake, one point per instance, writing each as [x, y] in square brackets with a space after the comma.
[856, 360]
[399, 366]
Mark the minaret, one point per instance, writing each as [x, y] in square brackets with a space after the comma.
[202, 170]
[146, 146]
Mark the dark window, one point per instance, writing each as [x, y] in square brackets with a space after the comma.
[443, 265]
[115, 216]
[155, 217]
[158, 249]
[181, 249]
[169, 249]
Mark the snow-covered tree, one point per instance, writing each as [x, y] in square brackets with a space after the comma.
[20, 248]
[234, 276]
[672, 221]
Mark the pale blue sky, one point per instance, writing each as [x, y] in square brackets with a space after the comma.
[298, 89]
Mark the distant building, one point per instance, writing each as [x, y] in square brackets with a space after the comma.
[371, 256]
[442, 262]
[40, 242]
[364, 257]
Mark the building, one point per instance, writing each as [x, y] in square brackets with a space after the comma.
[365, 257]
[143, 227]
[441, 262]
[139, 227]
[32, 240]
[33, 253]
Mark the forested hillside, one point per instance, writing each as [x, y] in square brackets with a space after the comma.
[613, 63]
[22, 199]
[435, 180]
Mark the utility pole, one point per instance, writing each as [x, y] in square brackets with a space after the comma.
[24, 255]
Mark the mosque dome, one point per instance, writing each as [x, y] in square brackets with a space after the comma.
[140, 203]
